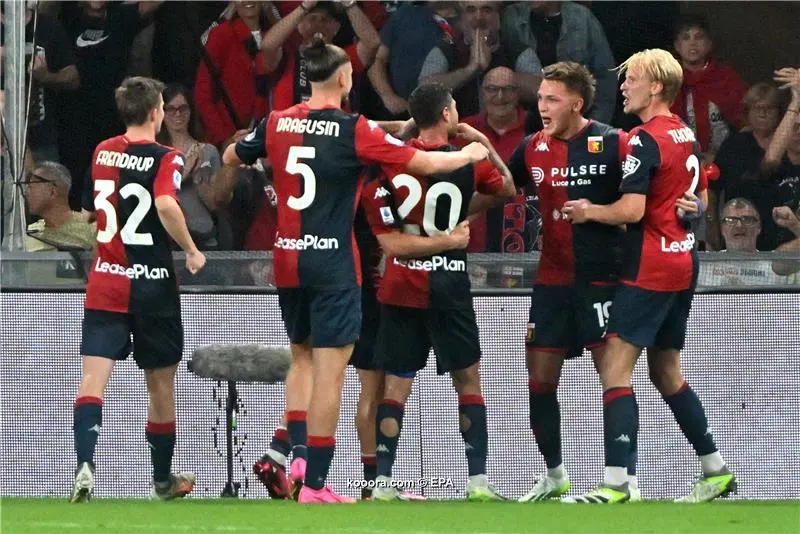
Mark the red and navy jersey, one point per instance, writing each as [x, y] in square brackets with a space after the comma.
[586, 166]
[368, 247]
[318, 157]
[663, 162]
[133, 271]
[426, 206]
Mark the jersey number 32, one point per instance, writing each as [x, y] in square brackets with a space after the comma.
[129, 233]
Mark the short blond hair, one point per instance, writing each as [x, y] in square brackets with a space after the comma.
[659, 66]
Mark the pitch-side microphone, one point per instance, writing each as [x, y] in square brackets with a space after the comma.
[241, 363]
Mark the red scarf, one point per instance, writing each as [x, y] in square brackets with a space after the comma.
[715, 83]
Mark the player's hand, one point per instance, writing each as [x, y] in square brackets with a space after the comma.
[468, 133]
[195, 261]
[476, 152]
[689, 206]
[308, 5]
[460, 236]
[786, 218]
[576, 210]
[240, 134]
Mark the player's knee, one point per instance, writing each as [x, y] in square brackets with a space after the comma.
[390, 427]
[666, 379]
[467, 381]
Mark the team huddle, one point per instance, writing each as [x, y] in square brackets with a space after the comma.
[617, 273]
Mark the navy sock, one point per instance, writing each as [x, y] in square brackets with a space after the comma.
[161, 438]
[280, 442]
[387, 445]
[370, 463]
[633, 455]
[691, 417]
[545, 415]
[472, 413]
[320, 456]
[296, 426]
[87, 420]
[619, 423]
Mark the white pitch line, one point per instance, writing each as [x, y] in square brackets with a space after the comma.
[135, 526]
[225, 528]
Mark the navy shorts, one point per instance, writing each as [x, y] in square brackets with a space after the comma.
[406, 336]
[569, 318]
[157, 341]
[651, 318]
[321, 318]
[364, 351]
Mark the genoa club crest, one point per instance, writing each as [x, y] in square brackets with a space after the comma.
[595, 144]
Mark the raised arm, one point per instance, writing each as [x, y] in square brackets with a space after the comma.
[273, 41]
[379, 78]
[368, 39]
[780, 139]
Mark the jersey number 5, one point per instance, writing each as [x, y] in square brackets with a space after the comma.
[293, 166]
[128, 234]
[431, 198]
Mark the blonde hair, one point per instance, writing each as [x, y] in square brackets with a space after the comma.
[659, 66]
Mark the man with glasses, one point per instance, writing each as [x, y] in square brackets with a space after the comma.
[741, 226]
[502, 120]
[46, 190]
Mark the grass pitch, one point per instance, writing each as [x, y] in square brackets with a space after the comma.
[44, 516]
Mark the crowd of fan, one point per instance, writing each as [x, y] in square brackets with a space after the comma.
[228, 65]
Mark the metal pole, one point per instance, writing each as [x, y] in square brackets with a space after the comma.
[14, 119]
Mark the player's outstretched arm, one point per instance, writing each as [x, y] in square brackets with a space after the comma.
[171, 216]
[403, 245]
[427, 163]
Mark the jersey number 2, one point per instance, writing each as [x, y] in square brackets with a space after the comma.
[128, 234]
[431, 199]
[293, 166]
[693, 166]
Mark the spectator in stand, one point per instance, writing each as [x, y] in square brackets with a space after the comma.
[47, 192]
[782, 162]
[782, 159]
[741, 225]
[710, 99]
[102, 34]
[502, 228]
[740, 160]
[51, 64]
[282, 46]
[461, 62]
[202, 163]
[565, 31]
[232, 85]
[405, 41]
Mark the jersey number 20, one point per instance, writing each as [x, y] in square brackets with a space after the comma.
[431, 198]
[129, 233]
